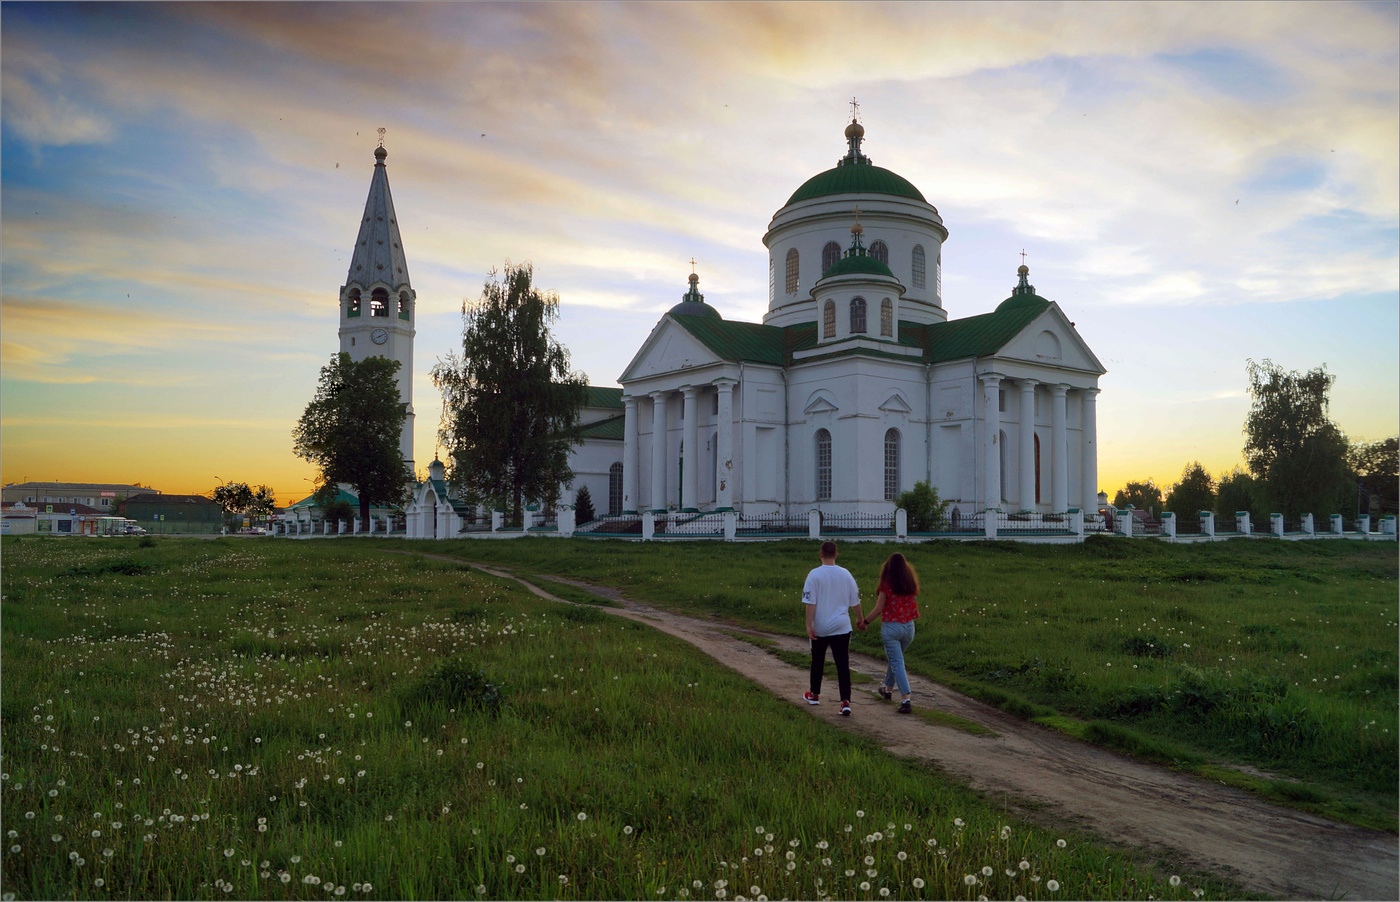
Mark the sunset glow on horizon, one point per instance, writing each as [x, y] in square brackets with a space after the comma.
[1194, 185]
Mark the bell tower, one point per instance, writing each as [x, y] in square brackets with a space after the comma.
[377, 304]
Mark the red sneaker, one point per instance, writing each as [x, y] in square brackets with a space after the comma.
[845, 709]
[811, 699]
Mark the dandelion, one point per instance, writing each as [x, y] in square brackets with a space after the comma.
[902, 856]
[1174, 880]
[296, 859]
[860, 813]
[821, 844]
[228, 853]
[1060, 842]
[792, 865]
[865, 886]
[826, 862]
[368, 887]
[1005, 832]
[884, 890]
[284, 877]
[480, 887]
[563, 880]
[758, 830]
[872, 873]
[510, 859]
[918, 883]
[582, 816]
[1052, 885]
[933, 843]
[969, 880]
[520, 869]
[57, 837]
[1011, 872]
[987, 870]
[958, 822]
[627, 829]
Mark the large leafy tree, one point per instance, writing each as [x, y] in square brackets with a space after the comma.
[510, 403]
[241, 498]
[1143, 496]
[1195, 492]
[1377, 469]
[1238, 491]
[351, 430]
[1291, 445]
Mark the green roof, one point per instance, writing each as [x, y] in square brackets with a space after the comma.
[611, 428]
[855, 178]
[857, 263]
[752, 342]
[603, 396]
[973, 336]
[310, 500]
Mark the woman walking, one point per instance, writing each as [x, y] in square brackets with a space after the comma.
[896, 602]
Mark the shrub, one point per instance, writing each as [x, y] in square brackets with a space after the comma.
[923, 508]
[457, 684]
[340, 510]
[583, 506]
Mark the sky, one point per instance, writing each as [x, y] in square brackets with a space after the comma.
[1196, 185]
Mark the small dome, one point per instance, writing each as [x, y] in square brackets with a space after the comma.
[1023, 269]
[858, 263]
[380, 153]
[694, 308]
[855, 130]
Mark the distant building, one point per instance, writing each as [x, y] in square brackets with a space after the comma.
[56, 518]
[157, 513]
[100, 495]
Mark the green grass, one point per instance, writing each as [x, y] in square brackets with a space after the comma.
[800, 660]
[274, 719]
[1277, 655]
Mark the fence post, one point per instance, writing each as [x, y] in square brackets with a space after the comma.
[1124, 519]
[1207, 523]
[497, 518]
[566, 520]
[1336, 524]
[1276, 524]
[1076, 521]
[1245, 527]
[901, 523]
[1169, 524]
[1363, 524]
[731, 525]
[1308, 524]
[814, 524]
[989, 522]
[648, 525]
[1388, 525]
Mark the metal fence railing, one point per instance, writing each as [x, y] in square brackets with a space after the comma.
[1030, 524]
[1189, 525]
[691, 526]
[776, 524]
[612, 525]
[955, 523]
[856, 523]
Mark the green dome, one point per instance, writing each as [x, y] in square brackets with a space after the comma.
[855, 178]
[858, 263]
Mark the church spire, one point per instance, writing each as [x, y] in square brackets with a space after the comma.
[855, 134]
[1023, 285]
[379, 255]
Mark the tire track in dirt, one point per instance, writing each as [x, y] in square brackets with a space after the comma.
[1054, 779]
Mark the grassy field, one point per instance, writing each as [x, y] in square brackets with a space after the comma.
[1281, 656]
[274, 719]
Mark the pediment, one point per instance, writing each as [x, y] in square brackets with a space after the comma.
[668, 349]
[896, 404]
[1051, 340]
[820, 403]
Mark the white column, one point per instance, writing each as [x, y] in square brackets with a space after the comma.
[1059, 451]
[724, 460]
[690, 456]
[1089, 451]
[991, 417]
[631, 458]
[1028, 444]
[658, 450]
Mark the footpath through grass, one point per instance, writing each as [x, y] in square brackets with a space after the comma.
[1277, 655]
[299, 720]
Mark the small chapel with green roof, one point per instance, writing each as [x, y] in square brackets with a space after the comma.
[856, 384]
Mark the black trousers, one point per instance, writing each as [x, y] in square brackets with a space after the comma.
[841, 654]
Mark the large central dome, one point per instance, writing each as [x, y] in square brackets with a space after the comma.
[856, 178]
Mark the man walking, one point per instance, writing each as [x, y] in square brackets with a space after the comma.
[828, 596]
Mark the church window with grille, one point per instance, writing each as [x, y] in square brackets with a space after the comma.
[919, 266]
[830, 254]
[772, 285]
[857, 315]
[823, 465]
[887, 317]
[615, 489]
[791, 284]
[379, 302]
[353, 308]
[891, 464]
[880, 251]
[938, 274]
[829, 320]
[404, 305]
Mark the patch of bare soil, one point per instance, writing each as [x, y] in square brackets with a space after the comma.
[1053, 779]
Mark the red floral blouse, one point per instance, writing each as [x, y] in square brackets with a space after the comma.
[899, 608]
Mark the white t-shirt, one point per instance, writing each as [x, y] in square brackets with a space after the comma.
[833, 590]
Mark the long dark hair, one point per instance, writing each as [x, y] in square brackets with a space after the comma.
[898, 574]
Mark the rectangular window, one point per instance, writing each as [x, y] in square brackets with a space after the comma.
[1001, 400]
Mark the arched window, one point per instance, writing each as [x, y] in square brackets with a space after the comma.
[887, 317]
[880, 251]
[791, 283]
[857, 315]
[403, 305]
[615, 489]
[353, 309]
[379, 302]
[830, 254]
[891, 464]
[823, 468]
[919, 280]
[829, 320]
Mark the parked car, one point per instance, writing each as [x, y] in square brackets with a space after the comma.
[134, 531]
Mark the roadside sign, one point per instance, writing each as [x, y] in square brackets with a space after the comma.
[48, 508]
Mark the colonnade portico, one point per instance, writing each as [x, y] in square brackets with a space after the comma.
[1054, 455]
[691, 454]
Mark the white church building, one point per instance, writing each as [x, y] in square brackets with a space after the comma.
[856, 384]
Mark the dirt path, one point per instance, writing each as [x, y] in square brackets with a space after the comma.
[1051, 778]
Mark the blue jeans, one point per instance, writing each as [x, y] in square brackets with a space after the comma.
[896, 638]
